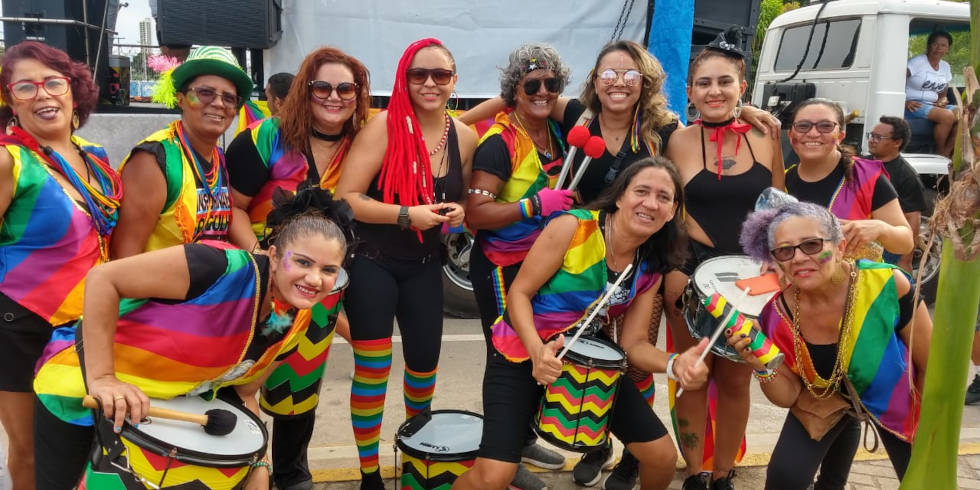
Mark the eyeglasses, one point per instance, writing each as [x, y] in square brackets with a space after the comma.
[630, 77]
[879, 137]
[207, 95]
[27, 90]
[418, 76]
[810, 246]
[824, 127]
[322, 90]
[533, 85]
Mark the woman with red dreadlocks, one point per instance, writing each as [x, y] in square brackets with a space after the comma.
[404, 177]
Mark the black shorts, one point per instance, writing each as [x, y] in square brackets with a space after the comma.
[511, 398]
[23, 336]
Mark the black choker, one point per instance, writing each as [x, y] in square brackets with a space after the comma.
[326, 137]
[708, 124]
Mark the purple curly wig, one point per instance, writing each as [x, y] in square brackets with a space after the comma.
[759, 228]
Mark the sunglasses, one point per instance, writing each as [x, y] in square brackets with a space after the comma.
[630, 77]
[810, 246]
[418, 76]
[207, 95]
[322, 90]
[824, 127]
[533, 85]
[27, 90]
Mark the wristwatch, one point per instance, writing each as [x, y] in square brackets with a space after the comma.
[404, 222]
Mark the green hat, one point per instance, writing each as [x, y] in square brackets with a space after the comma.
[205, 60]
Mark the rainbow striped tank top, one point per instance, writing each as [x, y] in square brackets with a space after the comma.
[47, 240]
[568, 297]
[509, 245]
[189, 214]
[879, 363]
[169, 349]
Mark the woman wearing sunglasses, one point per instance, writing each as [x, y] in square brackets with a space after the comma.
[404, 177]
[856, 190]
[511, 195]
[58, 201]
[846, 329]
[721, 184]
[304, 145]
[175, 179]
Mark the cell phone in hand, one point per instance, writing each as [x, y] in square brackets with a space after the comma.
[446, 210]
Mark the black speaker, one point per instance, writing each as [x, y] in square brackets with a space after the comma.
[236, 23]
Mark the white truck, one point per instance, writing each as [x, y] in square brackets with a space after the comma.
[854, 52]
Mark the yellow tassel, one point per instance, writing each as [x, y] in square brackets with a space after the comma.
[164, 91]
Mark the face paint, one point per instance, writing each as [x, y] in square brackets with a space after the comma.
[825, 256]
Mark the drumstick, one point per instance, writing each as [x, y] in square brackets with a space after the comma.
[595, 147]
[595, 311]
[577, 137]
[217, 421]
[718, 330]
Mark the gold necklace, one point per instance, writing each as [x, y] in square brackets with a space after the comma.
[548, 154]
[827, 386]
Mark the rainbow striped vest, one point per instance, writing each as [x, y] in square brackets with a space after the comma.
[568, 297]
[879, 365]
[47, 240]
[169, 350]
[509, 245]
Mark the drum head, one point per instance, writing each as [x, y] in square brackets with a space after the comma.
[247, 437]
[718, 275]
[450, 435]
[342, 281]
[600, 351]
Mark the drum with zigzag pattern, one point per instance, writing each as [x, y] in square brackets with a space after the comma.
[575, 409]
[437, 448]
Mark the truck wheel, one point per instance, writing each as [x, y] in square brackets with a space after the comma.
[457, 291]
[930, 270]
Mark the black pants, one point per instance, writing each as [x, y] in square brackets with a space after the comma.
[61, 450]
[383, 289]
[290, 442]
[796, 457]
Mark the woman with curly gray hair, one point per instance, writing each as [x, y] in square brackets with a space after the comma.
[511, 195]
[846, 331]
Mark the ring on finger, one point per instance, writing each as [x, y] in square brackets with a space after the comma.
[118, 397]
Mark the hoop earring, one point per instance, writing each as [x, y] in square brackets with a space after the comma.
[74, 120]
[12, 123]
[454, 100]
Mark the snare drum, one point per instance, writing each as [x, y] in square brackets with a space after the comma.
[575, 409]
[438, 447]
[718, 275]
[169, 453]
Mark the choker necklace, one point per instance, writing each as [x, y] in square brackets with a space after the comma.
[326, 137]
[708, 124]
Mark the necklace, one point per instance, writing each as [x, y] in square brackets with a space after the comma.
[547, 154]
[826, 387]
[324, 136]
[445, 136]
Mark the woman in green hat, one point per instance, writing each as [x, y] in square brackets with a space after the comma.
[175, 179]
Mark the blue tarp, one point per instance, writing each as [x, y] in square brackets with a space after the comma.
[670, 42]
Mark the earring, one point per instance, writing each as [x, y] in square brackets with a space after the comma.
[74, 120]
[454, 100]
[839, 275]
[12, 123]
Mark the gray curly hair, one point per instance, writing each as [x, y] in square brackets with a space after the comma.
[759, 229]
[526, 58]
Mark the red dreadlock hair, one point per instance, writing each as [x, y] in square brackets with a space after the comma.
[406, 171]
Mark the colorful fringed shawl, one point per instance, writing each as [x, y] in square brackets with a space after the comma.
[878, 365]
[47, 240]
[567, 298]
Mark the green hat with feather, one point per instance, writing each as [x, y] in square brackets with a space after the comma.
[205, 60]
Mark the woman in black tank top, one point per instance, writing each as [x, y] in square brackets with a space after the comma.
[404, 178]
[722, 182]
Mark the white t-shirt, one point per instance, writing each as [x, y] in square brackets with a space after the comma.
[925, 84]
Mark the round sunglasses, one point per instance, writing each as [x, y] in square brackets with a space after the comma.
[322, 89]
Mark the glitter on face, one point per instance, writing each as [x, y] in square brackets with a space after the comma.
[825, 256]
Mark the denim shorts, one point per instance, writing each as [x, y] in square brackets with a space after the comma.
[923, 111]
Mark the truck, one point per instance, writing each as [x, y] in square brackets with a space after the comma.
[854, 52]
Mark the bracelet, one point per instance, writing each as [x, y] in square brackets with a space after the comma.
[527, 208]
[765, 376]
[670, 367]
[482, 192]
[262, 464]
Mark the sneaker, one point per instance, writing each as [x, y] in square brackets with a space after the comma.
[697, 482]
[542, 457]
[623, 476]
[725, 482]
[973, 391]
[372, 481]
[588, 470]
[525, 480]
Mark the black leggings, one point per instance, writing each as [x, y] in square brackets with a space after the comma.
[384, 289]
[290, 443]
[61, 450]
[796, 457]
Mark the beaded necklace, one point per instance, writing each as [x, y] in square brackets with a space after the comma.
[445, 136]
[212, 179]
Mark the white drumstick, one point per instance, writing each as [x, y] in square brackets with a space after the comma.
[580, 173]
[565, 166]
[717, 333]
[595, 311]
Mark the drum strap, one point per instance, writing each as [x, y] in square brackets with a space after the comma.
[104, 434]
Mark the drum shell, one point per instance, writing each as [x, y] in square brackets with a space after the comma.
[432, 469]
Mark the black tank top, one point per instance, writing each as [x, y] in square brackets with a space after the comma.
[392, 241]
[720, 206]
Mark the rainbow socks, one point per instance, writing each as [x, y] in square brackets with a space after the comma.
[419, 387]
[372, 363]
